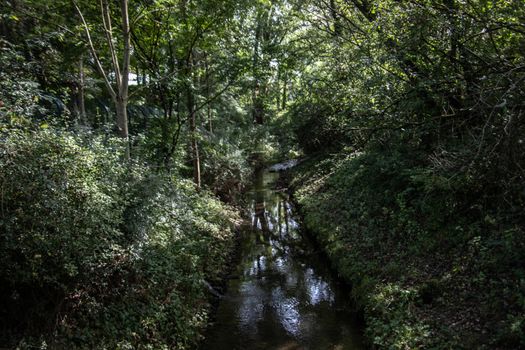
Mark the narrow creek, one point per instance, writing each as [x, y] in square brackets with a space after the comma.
[282, 294]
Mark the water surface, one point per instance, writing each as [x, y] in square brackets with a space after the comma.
[282, 295]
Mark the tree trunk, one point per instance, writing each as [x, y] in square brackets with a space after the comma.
[257, 110]
[122, 117]
[122, 123]
[193, 127]
[122, 98]
[195, 152]
[208, 93]
[123, 88]
[81, 91]
[285, 92]
[278, 88]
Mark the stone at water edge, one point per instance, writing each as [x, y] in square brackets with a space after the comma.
[284, 165]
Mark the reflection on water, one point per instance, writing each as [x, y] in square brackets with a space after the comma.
[283, 295]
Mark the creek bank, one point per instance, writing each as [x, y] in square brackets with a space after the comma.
[416, 286]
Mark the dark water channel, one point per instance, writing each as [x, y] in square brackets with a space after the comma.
[282, 295]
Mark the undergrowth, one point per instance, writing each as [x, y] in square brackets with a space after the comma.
[102, 253]
[435, 260]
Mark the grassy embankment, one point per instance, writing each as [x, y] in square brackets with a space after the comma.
[433, 260]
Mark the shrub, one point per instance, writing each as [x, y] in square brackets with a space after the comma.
[96, 253]
[226, 168]
[60, 216]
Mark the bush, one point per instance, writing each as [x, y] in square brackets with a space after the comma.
[18, 90]
[96, 253]
[61, 213]
[225, 167]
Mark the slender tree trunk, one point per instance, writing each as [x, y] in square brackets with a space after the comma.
[122, 117]
[123, 86]
[208, 93]
[278, 88]
[193, 127]
[195, 148]
[257, 110]
[81, 91]
[279, 216]
[285, 92]
[122, 99]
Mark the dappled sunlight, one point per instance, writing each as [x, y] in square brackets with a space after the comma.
[286, 298]
[175, 167]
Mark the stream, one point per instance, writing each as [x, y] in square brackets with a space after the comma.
[283, 294]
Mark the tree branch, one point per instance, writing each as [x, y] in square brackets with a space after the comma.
[94, 53]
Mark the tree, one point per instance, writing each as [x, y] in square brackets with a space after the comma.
[120, 65]
[181, 67]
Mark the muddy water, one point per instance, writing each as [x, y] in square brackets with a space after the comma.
[282, 296]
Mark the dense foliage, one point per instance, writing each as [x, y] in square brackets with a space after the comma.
[432, 264]
[420, 204]
[89, 244]
[410, 113]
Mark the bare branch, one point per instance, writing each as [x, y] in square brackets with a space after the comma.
[108, 30]
[94, 53]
